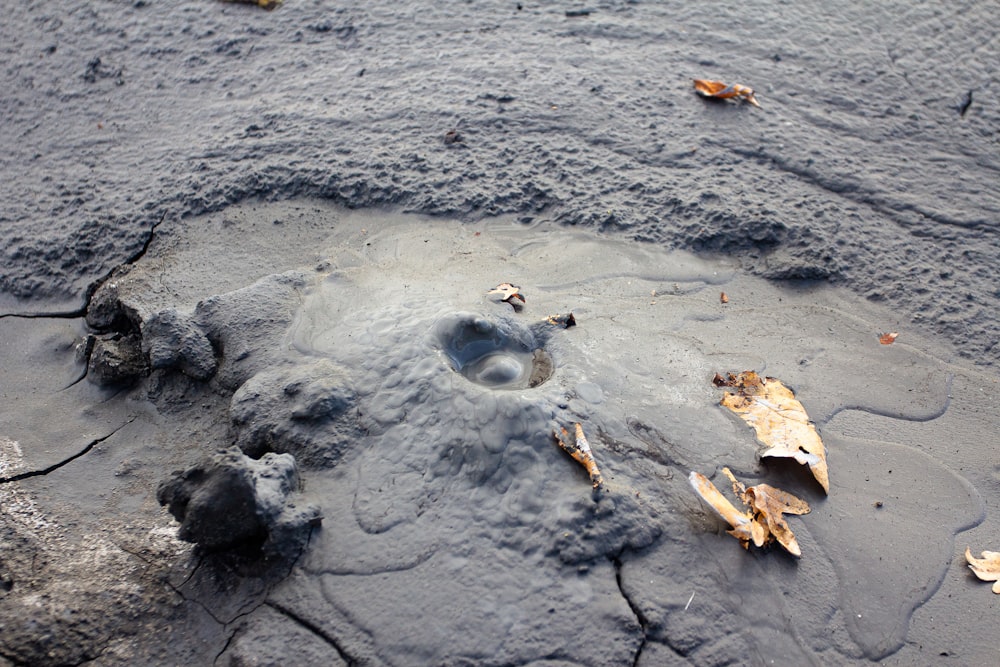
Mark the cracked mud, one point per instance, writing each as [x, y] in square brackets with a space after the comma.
[444, 492]
[203, 249]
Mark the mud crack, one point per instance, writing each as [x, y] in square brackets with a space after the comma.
[313, 628]
[55, 466]
[639, 616]
[92, 288]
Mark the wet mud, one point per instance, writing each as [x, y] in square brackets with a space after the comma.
[437, 516]
[248, 258]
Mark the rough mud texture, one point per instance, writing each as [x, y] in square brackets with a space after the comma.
[307, 410]
[231, 501]
[871, 163]
[181, 273]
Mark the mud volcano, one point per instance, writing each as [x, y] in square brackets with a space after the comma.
[404, 493]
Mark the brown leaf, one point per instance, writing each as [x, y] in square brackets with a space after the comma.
[508, 292]
[578, 447]
[763, 522]
[720, 90]
[986, 568]
[887, 338]
[778, 419]
[723, 298]
[565, 320]
[769, 504]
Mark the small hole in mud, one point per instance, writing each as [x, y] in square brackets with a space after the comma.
[497, 354]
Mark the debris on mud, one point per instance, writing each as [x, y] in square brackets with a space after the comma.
[763, 521]
[565, 320]
[778, 419]
[263, 4]
[508, 292]
[887, 338]
[986, 568]
[721, 91]
[578, 447]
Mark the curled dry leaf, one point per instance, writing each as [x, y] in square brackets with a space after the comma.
[763, 521]
[770, 504]
[723, 298]
[578, 447]
[565, 321]
[720, 90]
[266, 4]
[986, 568]
[778, 419]
[508, 292]
[887, 338]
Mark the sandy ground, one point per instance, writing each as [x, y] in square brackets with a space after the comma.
[283, 186]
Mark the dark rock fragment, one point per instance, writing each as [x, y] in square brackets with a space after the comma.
[116, 359]
[230, 501]
[106, 310]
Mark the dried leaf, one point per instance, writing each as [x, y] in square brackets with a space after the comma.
[565, 321]
[266, 4]
[763, 522]
[887, 338]
[578, 447]
[779, 420]
[508, 292]
[770, 504]
[723, 297]
[720, 90]
[986, 568]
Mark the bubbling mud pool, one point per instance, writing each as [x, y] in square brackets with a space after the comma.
[421, 410]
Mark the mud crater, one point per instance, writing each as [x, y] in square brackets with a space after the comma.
[499, 354]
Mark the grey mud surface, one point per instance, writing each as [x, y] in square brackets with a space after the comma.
[302, 246]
